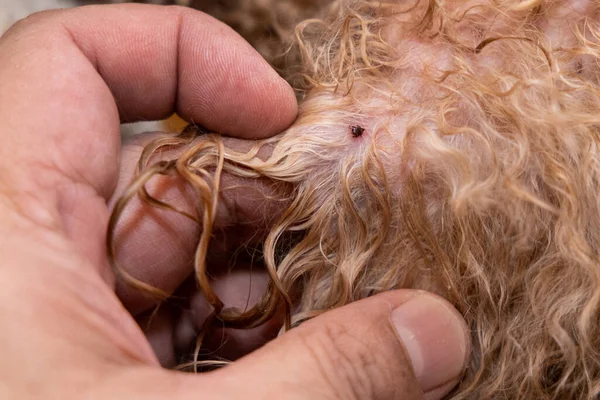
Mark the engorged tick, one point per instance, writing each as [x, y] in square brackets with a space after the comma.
[357, 130]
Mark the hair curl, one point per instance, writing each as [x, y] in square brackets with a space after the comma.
[476, 177]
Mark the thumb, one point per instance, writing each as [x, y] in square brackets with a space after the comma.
[398, 345]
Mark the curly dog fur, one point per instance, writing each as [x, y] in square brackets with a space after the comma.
[476, 176]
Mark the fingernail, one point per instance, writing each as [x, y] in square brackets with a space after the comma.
[434, 336]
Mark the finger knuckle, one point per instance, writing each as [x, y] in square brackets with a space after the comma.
[36, 19]
[349, 366]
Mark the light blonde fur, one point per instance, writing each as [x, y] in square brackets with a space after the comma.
[477, 178]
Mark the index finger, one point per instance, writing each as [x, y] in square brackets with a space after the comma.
[160, 60]
[157, 60]
[64, 74]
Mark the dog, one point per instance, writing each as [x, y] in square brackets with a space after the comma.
[447, 146]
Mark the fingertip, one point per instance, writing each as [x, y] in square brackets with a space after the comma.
[228, 87]
[281, 101]
[435, 337]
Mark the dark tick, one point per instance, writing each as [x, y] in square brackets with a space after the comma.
[357, 130]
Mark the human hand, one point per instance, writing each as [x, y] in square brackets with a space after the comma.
[67, 79]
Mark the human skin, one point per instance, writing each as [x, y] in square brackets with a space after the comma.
[68, 79]
[475, 177]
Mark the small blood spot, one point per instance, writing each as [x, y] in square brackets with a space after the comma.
[579, 67]
[357, 130]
